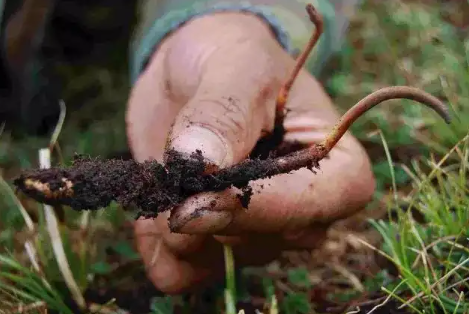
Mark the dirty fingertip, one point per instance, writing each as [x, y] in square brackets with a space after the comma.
[199, 215]
[200, 221]
[213, 147]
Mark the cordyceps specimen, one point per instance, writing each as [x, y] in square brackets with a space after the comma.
[153, 187]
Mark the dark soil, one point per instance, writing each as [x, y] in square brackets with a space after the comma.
[134, 297]
[136, 294]
[375, 301]
[272, 144]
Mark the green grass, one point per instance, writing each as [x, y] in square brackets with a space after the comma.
[433, 257]
[389, 43]
[422, 50]
[413, 46]
[21, 285]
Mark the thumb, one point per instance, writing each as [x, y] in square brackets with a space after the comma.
[232, 104]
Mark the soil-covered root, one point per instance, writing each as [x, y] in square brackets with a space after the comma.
[92, 183]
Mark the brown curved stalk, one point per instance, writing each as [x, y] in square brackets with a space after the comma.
[386, 93]
[282, 97]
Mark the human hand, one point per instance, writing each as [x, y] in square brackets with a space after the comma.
[212, 85]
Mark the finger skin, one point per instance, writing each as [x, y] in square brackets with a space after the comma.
[168, 273]
[150, 111]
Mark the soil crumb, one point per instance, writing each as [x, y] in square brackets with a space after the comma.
[245, 196]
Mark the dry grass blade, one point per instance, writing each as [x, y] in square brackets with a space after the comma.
[57, 245]
[39, 307]
[58, 129]
[436, 283]
[29, 246]
[103, 309]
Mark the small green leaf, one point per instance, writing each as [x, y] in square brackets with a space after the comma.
[101, 268]
[162, 305]
[299, 277]
[124, 249]
[296, 303]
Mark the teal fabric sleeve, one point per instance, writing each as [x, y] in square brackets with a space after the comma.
[288, 20]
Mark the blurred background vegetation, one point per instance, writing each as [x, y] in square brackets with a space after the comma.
[411, 244]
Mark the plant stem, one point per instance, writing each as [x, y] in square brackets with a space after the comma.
[282, 97]
[373, 99]
[30, 244]
[230, 291]
[56, 240]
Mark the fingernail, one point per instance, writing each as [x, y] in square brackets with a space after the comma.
[214, 148]
[201, 221]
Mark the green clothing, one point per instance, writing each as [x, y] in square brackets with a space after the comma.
[288, 18]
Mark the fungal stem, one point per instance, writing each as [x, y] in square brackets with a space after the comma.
[282, 97]
[377, 97]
